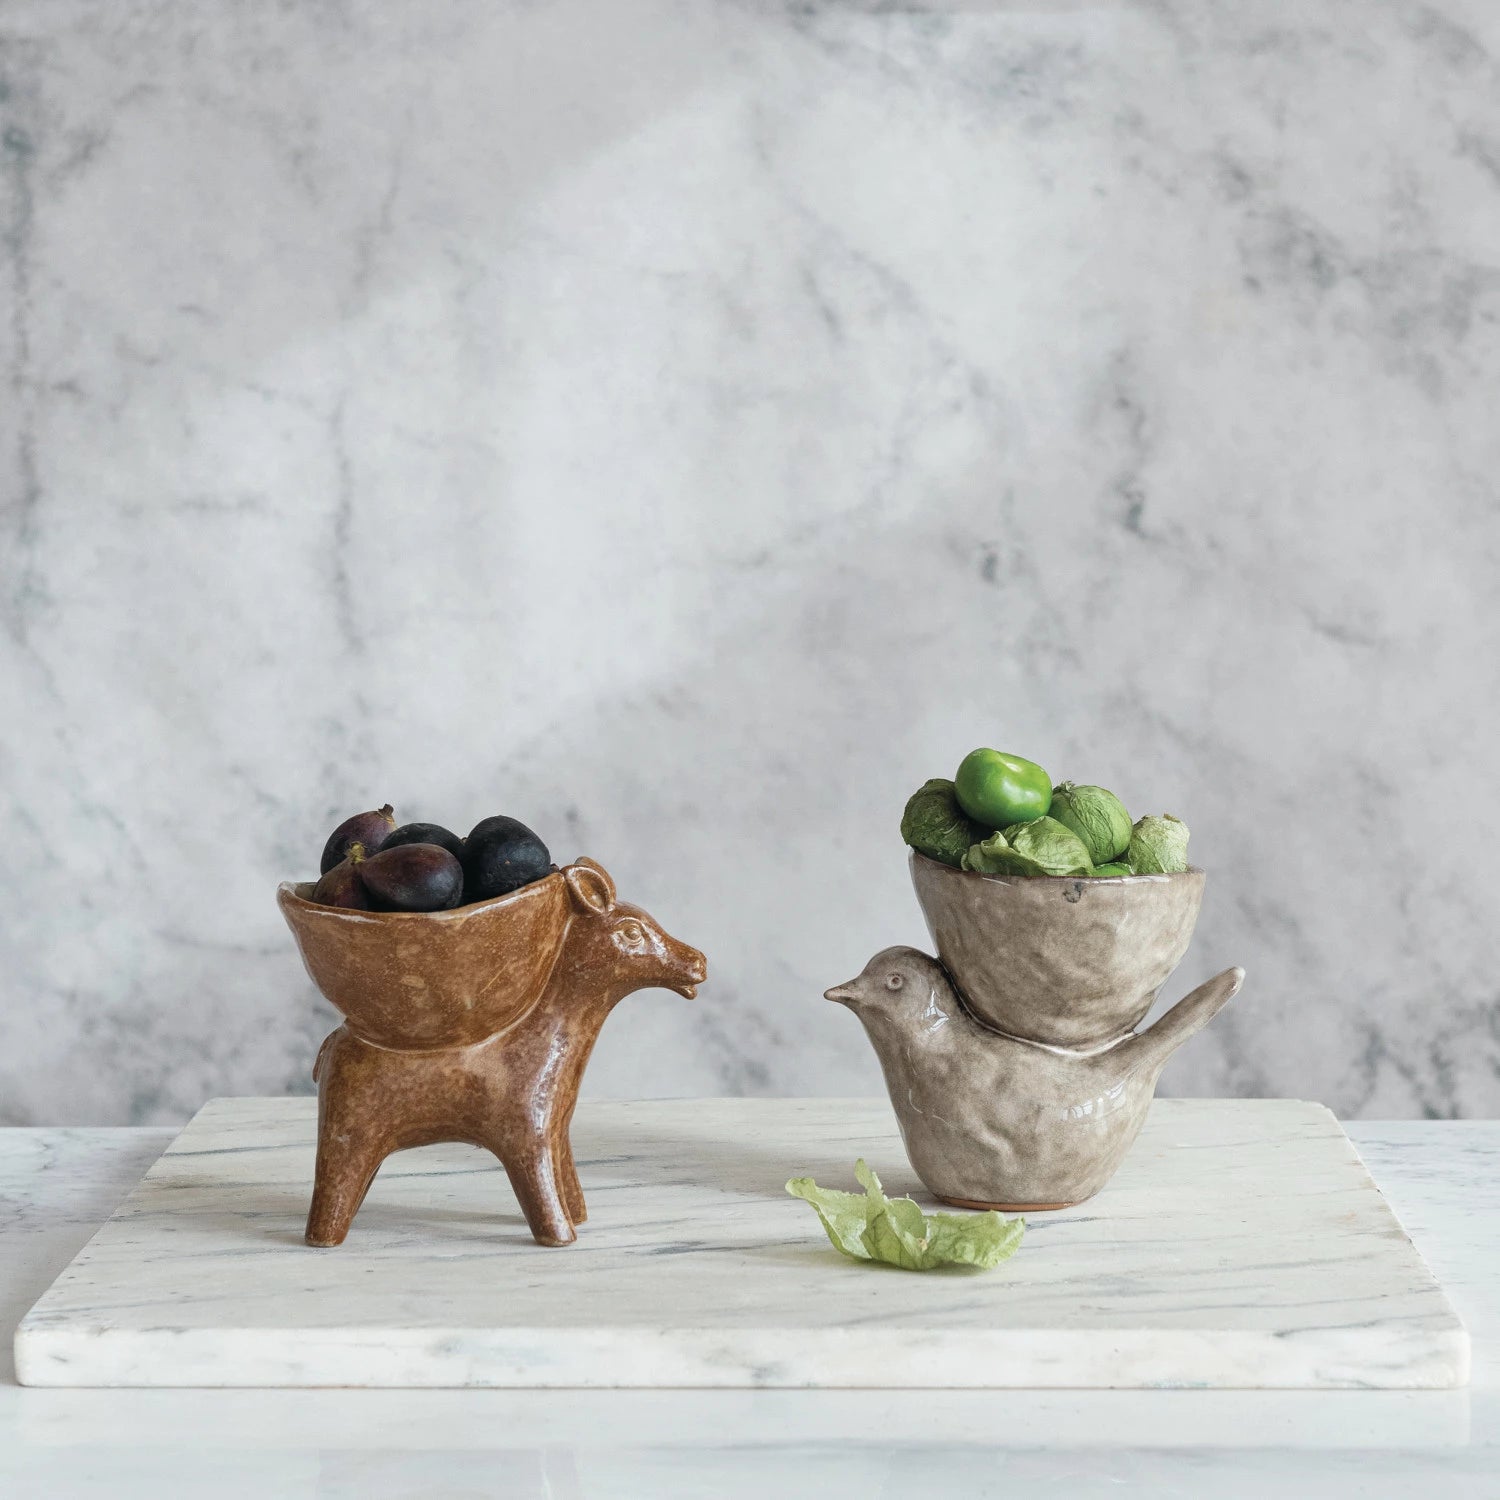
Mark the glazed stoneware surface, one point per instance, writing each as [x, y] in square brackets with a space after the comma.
[431, 979]
[1075, 963]
[991, 1121]
[473, 1025]
[1011, 1059]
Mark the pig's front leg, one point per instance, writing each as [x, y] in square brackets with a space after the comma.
[565, 1169]
[531, 1174]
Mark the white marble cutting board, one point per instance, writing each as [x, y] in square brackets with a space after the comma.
[1242, 1244]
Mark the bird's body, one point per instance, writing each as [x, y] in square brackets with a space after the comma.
[994, 1120]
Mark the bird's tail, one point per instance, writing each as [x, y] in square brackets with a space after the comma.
[1152, 1047]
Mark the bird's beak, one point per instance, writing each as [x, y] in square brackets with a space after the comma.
[843, 993]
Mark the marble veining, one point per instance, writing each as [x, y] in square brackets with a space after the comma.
[1439, 1177]
[689, 427]
[1242, 1244]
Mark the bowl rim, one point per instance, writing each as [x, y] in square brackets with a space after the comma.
[288, 895]
[938, 864]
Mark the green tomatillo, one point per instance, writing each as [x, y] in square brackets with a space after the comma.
[998, 790]
[1097, 816]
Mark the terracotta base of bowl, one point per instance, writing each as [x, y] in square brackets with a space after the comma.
[1010, 1208]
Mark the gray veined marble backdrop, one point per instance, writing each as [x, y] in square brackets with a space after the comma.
[688, 426]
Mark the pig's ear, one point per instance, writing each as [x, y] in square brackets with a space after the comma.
[590, 885]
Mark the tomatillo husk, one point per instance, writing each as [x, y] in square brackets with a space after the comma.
[1158, 846]
[1040, 847]
[1097, 816]
[934, 824]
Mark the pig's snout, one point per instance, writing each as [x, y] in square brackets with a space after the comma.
[688, 970]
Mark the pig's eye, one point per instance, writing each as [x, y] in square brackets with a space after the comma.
[632, 934]
[894, 981]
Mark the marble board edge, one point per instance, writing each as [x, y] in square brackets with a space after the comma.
[29, 1342]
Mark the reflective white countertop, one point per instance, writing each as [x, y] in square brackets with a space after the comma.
[1443, 1179]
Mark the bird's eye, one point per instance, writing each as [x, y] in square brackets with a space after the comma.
[894, 981]
[632, 932]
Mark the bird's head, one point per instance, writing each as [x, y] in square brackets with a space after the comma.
[896, 980]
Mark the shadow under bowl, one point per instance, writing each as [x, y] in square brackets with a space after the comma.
[431, 979]
[1070, 962]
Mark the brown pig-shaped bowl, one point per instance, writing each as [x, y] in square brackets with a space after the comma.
[473, 1025]
[431, 979]
[1070, 963]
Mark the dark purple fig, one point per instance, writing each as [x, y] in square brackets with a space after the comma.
[426, 833]
[501, 855]
[413, 877]
[341, 886]
[371, 829]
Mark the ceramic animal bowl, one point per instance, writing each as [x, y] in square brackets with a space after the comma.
[1074, 963]
[431, 979]
[1011, 1060]
[473, 1025]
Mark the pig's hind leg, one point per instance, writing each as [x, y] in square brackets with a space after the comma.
[353, 1138]
[342, 1177]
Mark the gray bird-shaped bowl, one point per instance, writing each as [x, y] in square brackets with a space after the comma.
[1012, 1059]
[1074, 963]
[992, 1121]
